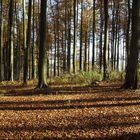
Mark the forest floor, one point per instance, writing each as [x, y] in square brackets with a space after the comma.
[69, 112]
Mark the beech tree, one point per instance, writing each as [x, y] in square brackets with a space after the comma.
[10, 54]
[1, 39]
[27, 46]
[131, 79]
[79, 36]
[105, 40]
[42, 46]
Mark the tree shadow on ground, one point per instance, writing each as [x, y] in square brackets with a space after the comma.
[61, 104]
[131, 136]
[26, 91]
[86, 124]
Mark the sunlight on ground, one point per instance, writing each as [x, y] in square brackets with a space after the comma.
[76, 112]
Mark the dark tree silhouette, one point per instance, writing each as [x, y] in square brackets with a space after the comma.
[42, 47]
[131, 79]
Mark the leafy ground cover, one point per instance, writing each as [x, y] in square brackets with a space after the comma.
[69, 112]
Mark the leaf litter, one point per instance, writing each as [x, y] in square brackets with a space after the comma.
[102, 112]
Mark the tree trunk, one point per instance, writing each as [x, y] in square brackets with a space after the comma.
[26, 53]
[101, 37]
[75, 35]
[42, 46]
[113, 35]
[93, 34]
[33, 43]
[81, 36]
[131, 79]
[105, 40]
[69, 40]
[1, 39]
[11, 49]
[85, 51]
[128, 32]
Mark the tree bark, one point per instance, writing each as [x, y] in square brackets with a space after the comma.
[81, 37]
[131, 79]
[75, 35]
[42, 47]
[26, 49]
[11, 49]
[1, 39]
[93, 34]
[105, 40]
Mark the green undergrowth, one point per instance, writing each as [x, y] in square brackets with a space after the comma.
[82, 78]
[87, 78]
[116, 76]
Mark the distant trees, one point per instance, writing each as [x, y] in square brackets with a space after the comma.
[78, 36]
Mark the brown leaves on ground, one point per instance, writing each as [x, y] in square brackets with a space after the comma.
[70, 112]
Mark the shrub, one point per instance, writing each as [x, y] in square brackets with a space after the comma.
[87, 77]
[116, 76]
[96, 77]
[78, 78]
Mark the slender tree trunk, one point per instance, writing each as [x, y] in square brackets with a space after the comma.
[81, 36]
[113, 35]
[69, 41]
[75, 35]
[27, 43]
[105, 40]
[1, 39]
[65, 55]
[116, 36]
[101, 37]
[11, 48]
[58, 42]
[118, 49]
[33, 43]
[89, 51]
[128, 32]
[85, 56]
[93, 34]
[55, 51]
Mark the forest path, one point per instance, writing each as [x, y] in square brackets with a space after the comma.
[69, 112]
